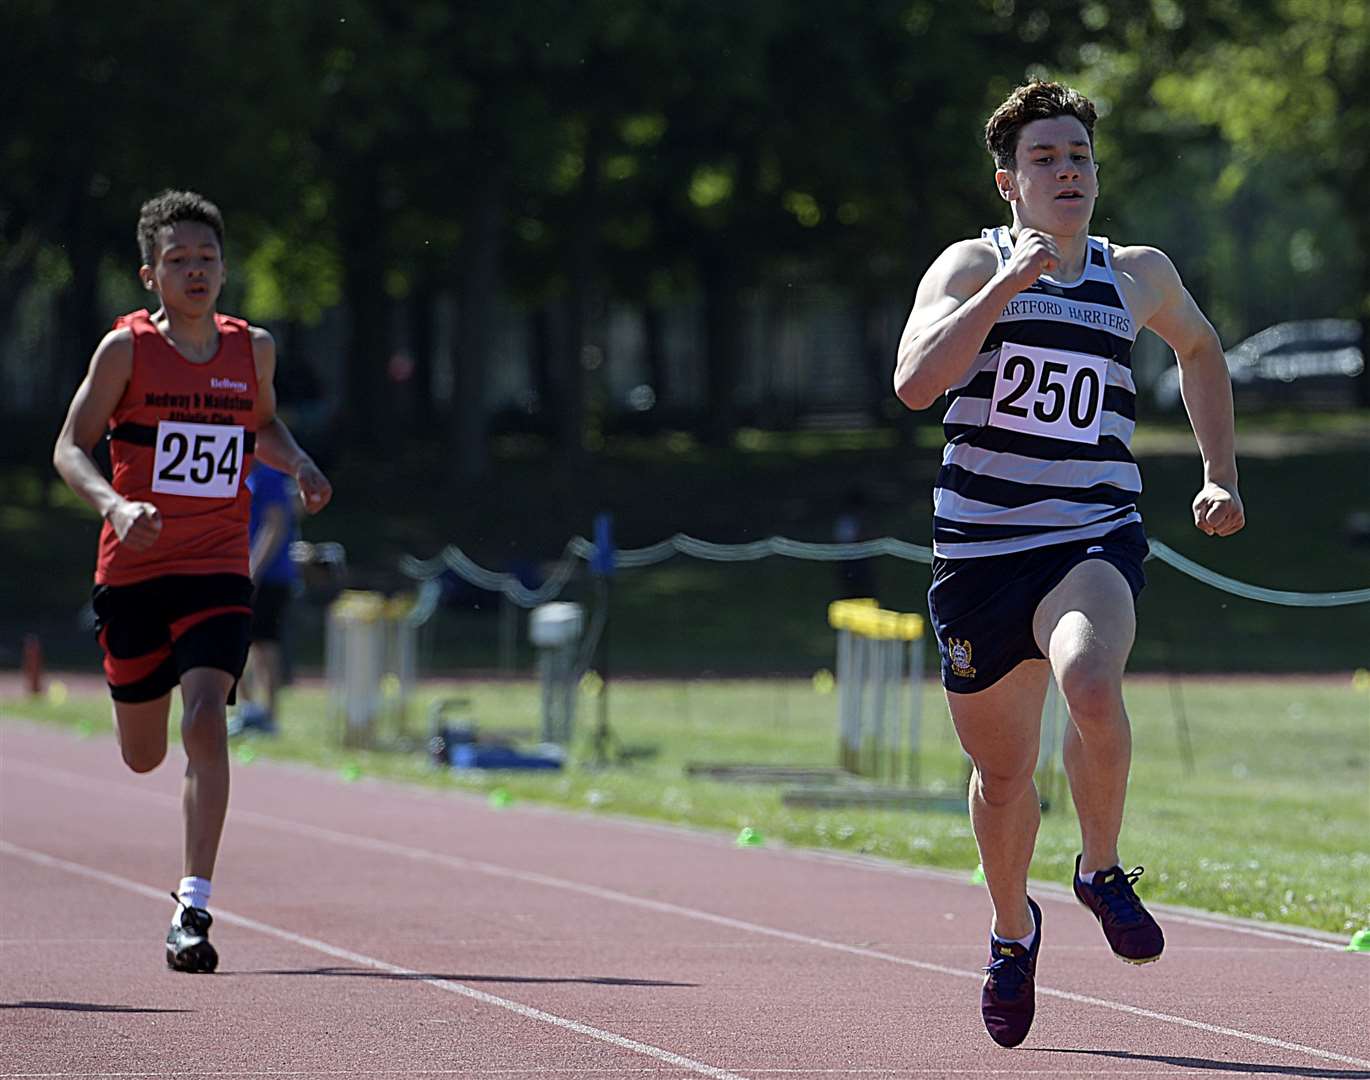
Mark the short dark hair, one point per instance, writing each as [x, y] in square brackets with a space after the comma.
[170, 207]
[1036, 100]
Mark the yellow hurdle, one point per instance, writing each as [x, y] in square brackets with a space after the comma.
[879, 668]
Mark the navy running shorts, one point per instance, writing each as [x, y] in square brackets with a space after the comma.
[982, 609]
[154, 631]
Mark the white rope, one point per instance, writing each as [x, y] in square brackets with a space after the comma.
[1256, 592]
[579, 548]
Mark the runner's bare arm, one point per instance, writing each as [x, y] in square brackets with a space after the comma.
[137, 524]
[1205, 384]
[958, 301]
[276, 446]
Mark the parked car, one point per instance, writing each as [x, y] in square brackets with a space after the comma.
[1313, 361]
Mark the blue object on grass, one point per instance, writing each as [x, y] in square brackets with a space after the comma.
[484, 756]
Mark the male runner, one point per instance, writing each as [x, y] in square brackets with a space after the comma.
[1038, 546]
[186, 398]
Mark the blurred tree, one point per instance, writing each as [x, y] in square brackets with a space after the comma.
[569, 155]
[103, 111]
[1287, 85]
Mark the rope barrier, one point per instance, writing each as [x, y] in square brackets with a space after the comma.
[1255, 592]
[578, 548]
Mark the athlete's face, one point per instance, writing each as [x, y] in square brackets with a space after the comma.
[1054, 183]
[187, 268]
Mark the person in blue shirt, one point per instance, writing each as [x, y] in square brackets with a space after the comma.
[271, 530]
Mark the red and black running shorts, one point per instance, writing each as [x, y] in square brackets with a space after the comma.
[154, 631]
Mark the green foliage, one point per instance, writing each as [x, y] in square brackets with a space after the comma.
[578, 154]
[1285, 87]
[292, 278]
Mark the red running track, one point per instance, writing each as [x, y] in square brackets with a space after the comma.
[371, 930]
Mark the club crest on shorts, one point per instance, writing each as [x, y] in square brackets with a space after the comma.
[960, 652]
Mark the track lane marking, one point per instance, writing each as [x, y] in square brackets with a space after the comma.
[623, 1042]
[534, 878]
[1051, 1074]
[1306, 937]
[1256, 1070]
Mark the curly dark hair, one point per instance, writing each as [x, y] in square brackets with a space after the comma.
[167, 209]
[1035, 100]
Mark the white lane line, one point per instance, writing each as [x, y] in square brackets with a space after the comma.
[1051, 1074]
[530, 877]
[666, 1056]
[648, 1071]
[1303, 936]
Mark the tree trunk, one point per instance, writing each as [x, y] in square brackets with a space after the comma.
[584, 276]
[422, 314]
[364, 413]
[654, 353]
[544, 363]
[479, 292]
[722, 344]
[80, 324]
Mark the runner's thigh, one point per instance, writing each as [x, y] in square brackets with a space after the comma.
[1000, 727]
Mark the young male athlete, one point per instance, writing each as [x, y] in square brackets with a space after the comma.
[186, 398]
[1038, 546]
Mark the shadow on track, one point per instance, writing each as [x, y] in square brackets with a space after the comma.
[419, 976]
[1317, 1073]
[83, 1006]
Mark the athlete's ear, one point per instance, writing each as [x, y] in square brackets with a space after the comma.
[145, 275]
[1003, 180]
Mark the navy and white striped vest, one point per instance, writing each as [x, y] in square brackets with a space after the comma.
[1038, 430]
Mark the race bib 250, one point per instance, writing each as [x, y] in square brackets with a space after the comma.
[1049, 392]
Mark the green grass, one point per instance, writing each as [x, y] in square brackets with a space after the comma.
[1274, 824]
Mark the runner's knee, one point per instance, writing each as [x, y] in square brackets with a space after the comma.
[1092, 686]
[1001, 787]
[140, 729]
[204, 727]
[142, 757]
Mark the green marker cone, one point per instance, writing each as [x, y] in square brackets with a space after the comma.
[351, 772]
[246, 755]
[749, 837]
[85, 729]
[1360, 941]
[500, 798]
[978, 877]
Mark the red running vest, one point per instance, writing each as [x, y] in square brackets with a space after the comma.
[182, 438]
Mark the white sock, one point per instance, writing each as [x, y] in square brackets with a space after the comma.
[192, 892]
[1025, 942]
[1088, 879]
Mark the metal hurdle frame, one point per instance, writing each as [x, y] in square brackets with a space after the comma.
[1049, 772]
[879, 670]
